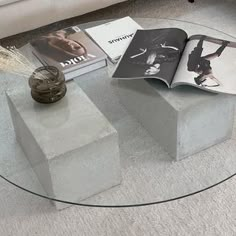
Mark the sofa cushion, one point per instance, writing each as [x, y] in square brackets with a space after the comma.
[30, 14]
[24, 15]
[5, 2]
[63, 9]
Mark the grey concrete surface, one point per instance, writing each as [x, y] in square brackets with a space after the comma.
[70, 145]
[183, 121]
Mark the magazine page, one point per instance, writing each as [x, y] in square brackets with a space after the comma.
[153, 53]
[114, 37]
[67, 49]
[208, 63]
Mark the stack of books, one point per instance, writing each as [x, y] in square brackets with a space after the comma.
[76, 52]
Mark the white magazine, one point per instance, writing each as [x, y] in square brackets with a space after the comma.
[114, 37]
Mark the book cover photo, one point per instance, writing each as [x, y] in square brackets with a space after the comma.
[68, 49]
[114, 37]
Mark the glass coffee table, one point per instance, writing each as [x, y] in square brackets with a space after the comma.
[149, 174]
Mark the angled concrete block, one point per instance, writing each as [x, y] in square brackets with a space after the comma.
[183, 120]
[70, 144]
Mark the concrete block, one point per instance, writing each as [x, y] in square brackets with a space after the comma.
[70, 144]
[183, 120]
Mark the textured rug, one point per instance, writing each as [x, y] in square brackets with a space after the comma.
[212, 212]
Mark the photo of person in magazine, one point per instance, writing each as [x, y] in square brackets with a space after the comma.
[59, 47]
[171, 56]
[153, 56]
[208, 63]
[202, 64]
[153, 53]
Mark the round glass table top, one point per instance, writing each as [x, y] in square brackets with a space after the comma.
[148, 174]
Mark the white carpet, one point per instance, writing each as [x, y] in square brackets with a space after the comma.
[210, 213]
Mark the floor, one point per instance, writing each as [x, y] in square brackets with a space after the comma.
[210, 213]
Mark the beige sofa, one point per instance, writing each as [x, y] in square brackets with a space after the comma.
[22, 15]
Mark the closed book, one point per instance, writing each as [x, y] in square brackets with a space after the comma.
[114, 36]
[70, 50]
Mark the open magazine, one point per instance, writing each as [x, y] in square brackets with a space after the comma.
[169, 55]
